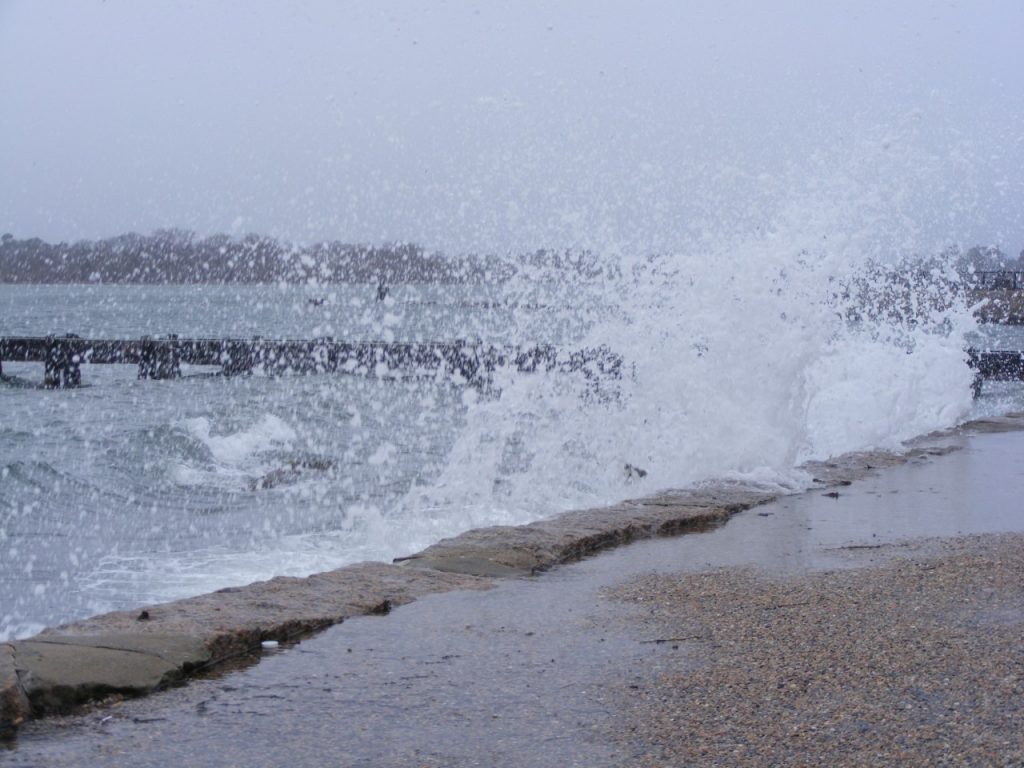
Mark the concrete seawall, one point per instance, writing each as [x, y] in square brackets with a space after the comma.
[137, 652]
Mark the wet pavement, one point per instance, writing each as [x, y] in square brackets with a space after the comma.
[526, 673]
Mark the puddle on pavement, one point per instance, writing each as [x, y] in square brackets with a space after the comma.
[977, 488]
[524, 674]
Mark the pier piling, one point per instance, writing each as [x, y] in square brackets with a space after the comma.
[159, 359]
[62, 364]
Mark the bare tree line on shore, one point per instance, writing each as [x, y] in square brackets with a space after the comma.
[175, 256]
[172, 256]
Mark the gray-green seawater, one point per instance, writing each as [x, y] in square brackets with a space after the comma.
[125, 492]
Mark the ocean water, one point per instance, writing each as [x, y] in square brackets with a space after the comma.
[127, 492]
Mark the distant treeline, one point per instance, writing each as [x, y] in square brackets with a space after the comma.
[969, 263]
[180, 257]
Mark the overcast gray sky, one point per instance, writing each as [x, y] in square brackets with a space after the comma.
[513, 124]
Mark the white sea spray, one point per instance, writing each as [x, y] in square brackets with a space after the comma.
[804, 316]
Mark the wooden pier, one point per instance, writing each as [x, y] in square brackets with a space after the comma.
[162, 358]
[473, 363]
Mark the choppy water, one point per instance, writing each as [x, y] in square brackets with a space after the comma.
[130, 491]
[126, 492]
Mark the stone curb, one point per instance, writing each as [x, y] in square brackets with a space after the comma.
[14, 706]
[137, 652]
[503, 551]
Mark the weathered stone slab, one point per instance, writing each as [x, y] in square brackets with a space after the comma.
[59, 672]
[482, 561]
[502, 551]
[14, 706]
[135, 652]
[175, 649]
[1011, 422]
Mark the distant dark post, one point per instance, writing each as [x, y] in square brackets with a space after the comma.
[464, 359]
[61, 368]
[147, 357]
[324, 354]
[159, 358]
[237, 357]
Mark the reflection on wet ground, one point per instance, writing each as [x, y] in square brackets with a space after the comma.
[974, 489]
[523, 674]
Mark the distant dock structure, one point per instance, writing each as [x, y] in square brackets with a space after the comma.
[162, 357]
[469, 362]
[998, 280]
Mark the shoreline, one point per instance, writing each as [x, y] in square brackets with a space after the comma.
[133, 653]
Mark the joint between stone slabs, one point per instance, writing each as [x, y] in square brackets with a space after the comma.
[14, 704]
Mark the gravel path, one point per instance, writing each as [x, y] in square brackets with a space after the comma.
[918, 661]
